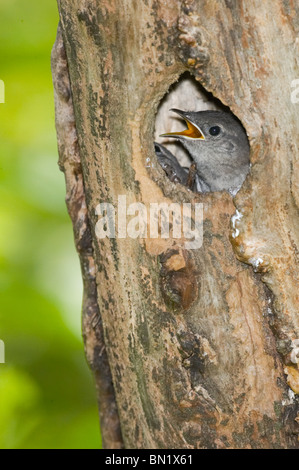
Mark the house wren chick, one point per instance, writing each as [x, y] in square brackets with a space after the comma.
[219, 147]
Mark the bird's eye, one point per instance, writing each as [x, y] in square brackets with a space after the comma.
[215, 130]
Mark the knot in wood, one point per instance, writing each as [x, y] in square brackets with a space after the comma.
[193, 51]
[178, 279]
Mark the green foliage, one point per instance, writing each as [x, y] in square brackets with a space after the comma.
[47, 397]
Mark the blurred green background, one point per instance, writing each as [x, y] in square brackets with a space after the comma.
[47, 395]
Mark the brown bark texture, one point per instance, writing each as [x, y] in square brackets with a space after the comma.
[191, 348]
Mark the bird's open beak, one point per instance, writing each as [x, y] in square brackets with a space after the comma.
[193, 132]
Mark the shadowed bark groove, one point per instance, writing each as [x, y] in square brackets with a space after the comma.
[69, 163]
[202, 344]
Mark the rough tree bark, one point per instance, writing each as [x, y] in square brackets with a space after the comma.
[200, 345]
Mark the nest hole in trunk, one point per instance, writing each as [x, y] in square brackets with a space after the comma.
[220, 161]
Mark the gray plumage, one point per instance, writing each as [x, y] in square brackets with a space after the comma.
[175, 172]
[218, 144]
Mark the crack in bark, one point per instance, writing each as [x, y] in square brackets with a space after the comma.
[70, 164]
[249, 329]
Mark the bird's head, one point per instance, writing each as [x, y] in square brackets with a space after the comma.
[211, 133]
[217, 142]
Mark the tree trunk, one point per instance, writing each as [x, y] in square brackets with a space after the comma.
[201, 345]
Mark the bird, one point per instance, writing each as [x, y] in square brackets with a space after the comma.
[218, 145]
